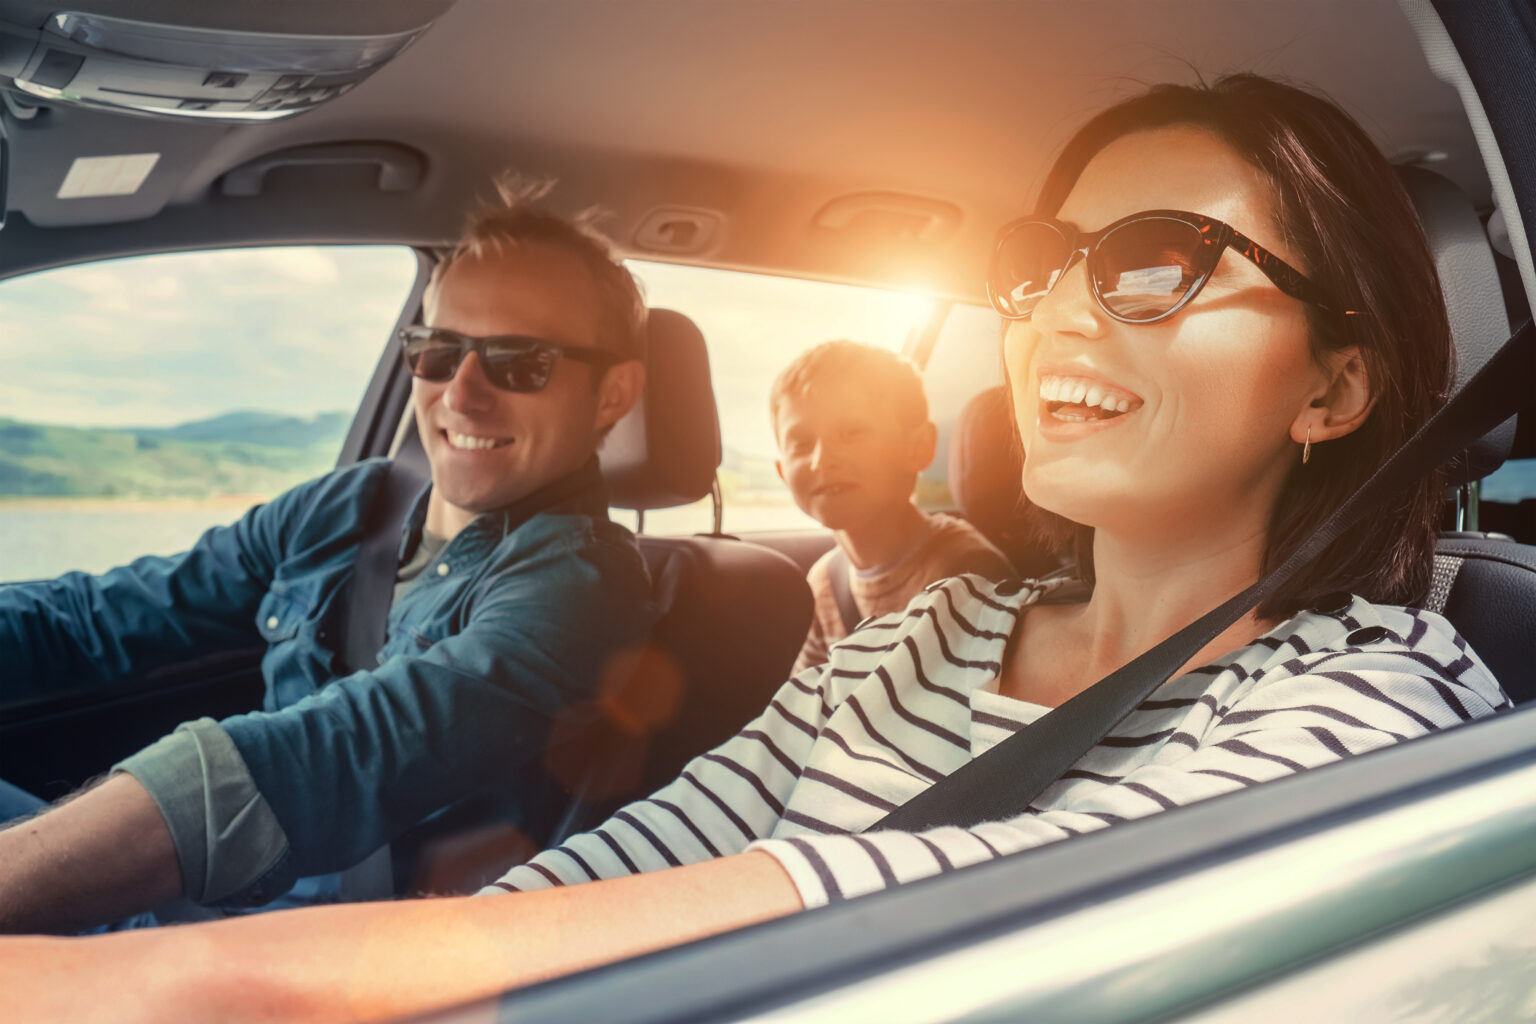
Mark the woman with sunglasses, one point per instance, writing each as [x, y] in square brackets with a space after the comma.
[1222, 316]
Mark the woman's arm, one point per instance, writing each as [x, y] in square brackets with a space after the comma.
[380, 961]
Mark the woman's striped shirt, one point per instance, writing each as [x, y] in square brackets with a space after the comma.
[910, 697]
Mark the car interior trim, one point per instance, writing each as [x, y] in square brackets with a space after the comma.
[1436, 971]
[1446, 62]
[376, 426]
[1212, 931]
[752, 970]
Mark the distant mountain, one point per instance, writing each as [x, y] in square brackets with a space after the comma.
[255, 453]
[254, 427]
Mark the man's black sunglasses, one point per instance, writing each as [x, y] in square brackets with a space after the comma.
[1141, 269]
[512, 362]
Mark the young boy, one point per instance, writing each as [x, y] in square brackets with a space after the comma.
[852, 425]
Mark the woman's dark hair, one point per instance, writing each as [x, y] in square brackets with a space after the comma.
[1345, 214]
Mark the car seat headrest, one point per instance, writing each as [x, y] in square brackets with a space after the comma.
[666, 450]
[985, 467]
[1474, 301]
[986, 471]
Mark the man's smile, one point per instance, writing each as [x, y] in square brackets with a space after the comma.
[472, 443]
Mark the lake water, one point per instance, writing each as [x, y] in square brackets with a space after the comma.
[41, 538]
[45, 537]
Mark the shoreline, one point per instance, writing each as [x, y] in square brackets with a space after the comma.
[88, 503]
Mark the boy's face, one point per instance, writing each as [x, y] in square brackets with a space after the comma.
[845, 457]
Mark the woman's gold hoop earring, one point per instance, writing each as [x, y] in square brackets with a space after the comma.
[1306, 449]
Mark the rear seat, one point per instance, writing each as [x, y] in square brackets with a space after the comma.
[1484, 583]
[733, 614]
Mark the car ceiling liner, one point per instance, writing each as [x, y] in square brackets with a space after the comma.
[1493, 92]
[197, 60]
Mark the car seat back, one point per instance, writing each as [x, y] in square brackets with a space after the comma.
[1487, 589]
[1484, 584]
[733, 614]
[986, 468]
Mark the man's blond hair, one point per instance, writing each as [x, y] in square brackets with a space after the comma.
[879, 371]
[516, 219]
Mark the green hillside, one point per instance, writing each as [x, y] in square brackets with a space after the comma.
[244, 452]
[235, 453]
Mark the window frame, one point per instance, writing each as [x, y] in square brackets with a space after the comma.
[768, 969]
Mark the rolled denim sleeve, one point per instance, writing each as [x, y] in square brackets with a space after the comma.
[224, 832]
[346, 770]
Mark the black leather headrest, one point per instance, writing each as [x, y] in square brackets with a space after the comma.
[986, 471]
[985, 466]
[1470, 283]
[665, 452]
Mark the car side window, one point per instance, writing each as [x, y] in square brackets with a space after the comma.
[146, 399]
[1509, 500]
[754, 325]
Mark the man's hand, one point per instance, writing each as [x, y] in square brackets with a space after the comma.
[101, 856]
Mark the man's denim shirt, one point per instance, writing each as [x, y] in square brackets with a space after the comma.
[510, 628]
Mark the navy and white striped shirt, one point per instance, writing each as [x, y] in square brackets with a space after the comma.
[912, 696]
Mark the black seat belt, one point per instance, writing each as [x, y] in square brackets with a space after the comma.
[377, 562]
[363, 630]
[373, 589]
[1003, 781]
[375, 567]
[839, 572]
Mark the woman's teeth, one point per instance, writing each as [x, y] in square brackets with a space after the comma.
[469, 443]
[1060, 392]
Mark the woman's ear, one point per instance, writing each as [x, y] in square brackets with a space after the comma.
[1343, 400]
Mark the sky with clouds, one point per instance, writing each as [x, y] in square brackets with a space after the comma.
[160, 340]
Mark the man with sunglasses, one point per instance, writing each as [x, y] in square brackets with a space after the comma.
[515, 600]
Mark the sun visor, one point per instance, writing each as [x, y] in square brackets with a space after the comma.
[195, 70]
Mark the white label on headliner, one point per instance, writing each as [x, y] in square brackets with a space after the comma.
[93, 176]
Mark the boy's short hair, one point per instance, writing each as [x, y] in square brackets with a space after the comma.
[515, 218]
[880, 371]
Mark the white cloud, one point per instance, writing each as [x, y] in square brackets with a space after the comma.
[201, 333]
[310, 266]
[105, 287]
[161, 288]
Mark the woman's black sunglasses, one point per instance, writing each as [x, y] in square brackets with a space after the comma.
[512, 362]
[1141, 269]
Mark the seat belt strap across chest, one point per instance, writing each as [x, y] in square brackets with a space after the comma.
[373, 586]
[375, 566]
[1005, 780]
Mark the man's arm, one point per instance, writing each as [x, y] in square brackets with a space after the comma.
[380, 961]
[319, 785]
[254, 802]
[81, 631]
[103, 855]
[109, 852]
